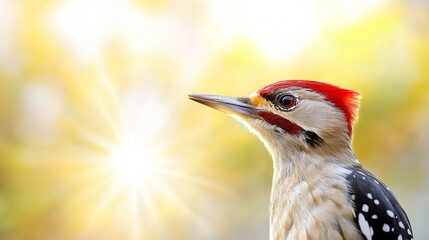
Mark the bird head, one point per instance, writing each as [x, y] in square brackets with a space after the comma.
[295, 115]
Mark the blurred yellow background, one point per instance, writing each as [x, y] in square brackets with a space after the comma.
[99, 141]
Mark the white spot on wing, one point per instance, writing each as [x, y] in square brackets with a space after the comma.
[390, 213]
[386, 228]
[365, 208]
[401, 225]
[374, 216]
[376, 202]
[409, 231]
[400, 237]
[369, 195]
[364, 227]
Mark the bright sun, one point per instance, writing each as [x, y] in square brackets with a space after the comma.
[134, 166]
[132, 163]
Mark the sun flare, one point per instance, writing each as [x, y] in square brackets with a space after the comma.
[137, 170]
[132, 163]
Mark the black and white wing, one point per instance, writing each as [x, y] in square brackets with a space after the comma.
[378, 213]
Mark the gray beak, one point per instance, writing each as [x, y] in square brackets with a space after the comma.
[241, 106]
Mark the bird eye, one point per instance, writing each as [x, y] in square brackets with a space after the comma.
[287, 102]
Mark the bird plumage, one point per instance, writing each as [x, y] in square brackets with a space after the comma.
[319, 189]
[377, 211]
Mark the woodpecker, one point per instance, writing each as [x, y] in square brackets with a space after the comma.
[319, 188]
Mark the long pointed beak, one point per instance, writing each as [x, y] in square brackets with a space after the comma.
[241, 106]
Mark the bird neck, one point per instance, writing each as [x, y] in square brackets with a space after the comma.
[291, 159]
[298, 185]
[304, 164]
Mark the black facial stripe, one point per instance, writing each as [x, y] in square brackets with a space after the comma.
[312, 138]
[271, 97]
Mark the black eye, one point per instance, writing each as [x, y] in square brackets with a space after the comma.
[287, 102]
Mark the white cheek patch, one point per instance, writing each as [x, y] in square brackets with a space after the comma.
[250, 123]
